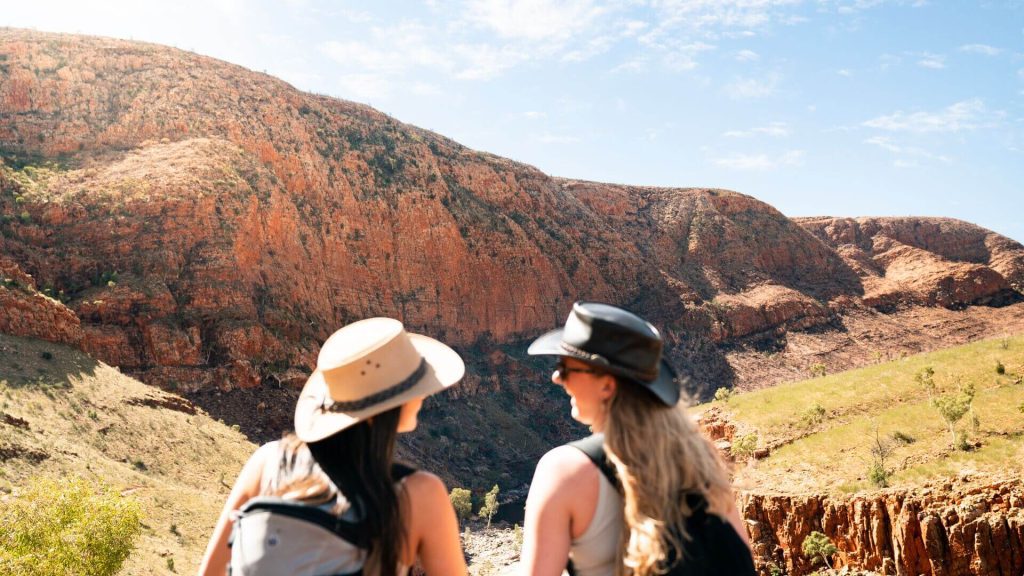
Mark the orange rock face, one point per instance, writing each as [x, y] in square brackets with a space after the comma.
[938, 531]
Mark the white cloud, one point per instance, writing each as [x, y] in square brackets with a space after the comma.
[933, 61]
[773, 129]
[760, 162]
[981, 49]
[534, 115]
[752, 88]
[483, 61]
[959, 117]
[533, 20]
[844, 72]
[747, 56]
[906, 156]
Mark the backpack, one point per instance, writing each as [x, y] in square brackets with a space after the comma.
[712, 547]
[274, 536]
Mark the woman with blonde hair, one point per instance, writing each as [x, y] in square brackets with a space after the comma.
[369, 384]
[647, 494]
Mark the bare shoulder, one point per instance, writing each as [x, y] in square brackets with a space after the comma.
[422, 485]
[562, 469]
[564, 462]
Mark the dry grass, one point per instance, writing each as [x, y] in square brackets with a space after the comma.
[832, 453]
[62, 414]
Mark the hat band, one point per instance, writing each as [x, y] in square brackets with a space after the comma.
[378, 397]
[645, 375]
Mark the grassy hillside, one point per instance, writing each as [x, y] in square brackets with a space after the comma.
[64, 414]
[821, 432]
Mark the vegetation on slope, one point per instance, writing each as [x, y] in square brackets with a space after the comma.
[64, 416]
[829, 433]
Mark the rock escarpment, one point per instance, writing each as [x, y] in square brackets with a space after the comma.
[944, 530]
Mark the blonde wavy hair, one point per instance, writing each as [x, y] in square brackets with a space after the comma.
[660, 456]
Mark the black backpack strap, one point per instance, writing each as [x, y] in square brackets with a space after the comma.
[593, 447]
[350, 531]
[399, 471]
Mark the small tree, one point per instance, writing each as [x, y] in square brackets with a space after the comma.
[67, 527]
[952, 408]
[462, 501]
[490, 506]
[926, 378]
[723, 395]
[818, 546]
[881, 449]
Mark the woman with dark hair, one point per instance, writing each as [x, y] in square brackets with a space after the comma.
[647, 494]
[368, 386]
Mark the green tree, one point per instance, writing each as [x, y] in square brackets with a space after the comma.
[67, 527]
[462, 501]
[952, 408]
[818, 546]
[490, 506]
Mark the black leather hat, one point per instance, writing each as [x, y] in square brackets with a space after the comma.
[616, 341]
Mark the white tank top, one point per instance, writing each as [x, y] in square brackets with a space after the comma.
[593, 553]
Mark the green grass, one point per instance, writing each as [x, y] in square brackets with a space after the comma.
[833, 454]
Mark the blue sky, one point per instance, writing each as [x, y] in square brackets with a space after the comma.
[818, 107]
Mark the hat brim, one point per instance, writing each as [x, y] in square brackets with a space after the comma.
[666, 387]
[313, 421]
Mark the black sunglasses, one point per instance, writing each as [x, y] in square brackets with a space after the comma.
[562, 371]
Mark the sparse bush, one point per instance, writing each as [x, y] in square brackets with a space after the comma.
[903, 438]
[462, 501]
[878, 475]
[723, 394]
[817, 546]
[813, 415]
[67, 527]
[926, 378]
[517, 536]
[490, 506]
[1004, 343]
[744, 446]
[170, 564]
[1000, 369]
[818, 370]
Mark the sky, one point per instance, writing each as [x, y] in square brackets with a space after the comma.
[817, 107]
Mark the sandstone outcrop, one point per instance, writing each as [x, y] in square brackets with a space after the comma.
[958, 528]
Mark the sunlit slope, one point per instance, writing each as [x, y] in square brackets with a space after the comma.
[820, 432]
[62, 413]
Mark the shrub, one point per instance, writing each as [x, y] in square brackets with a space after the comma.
[744, 446]
[723, 394]
[903, 438]
[1000, 369]
[817, 546]
[818, 370]
[67, 527]
[462, 501]
[813, 415]
[953, 407]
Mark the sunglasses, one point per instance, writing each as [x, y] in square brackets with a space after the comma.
[562, 371]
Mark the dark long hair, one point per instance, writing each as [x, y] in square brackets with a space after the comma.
[357, 461]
